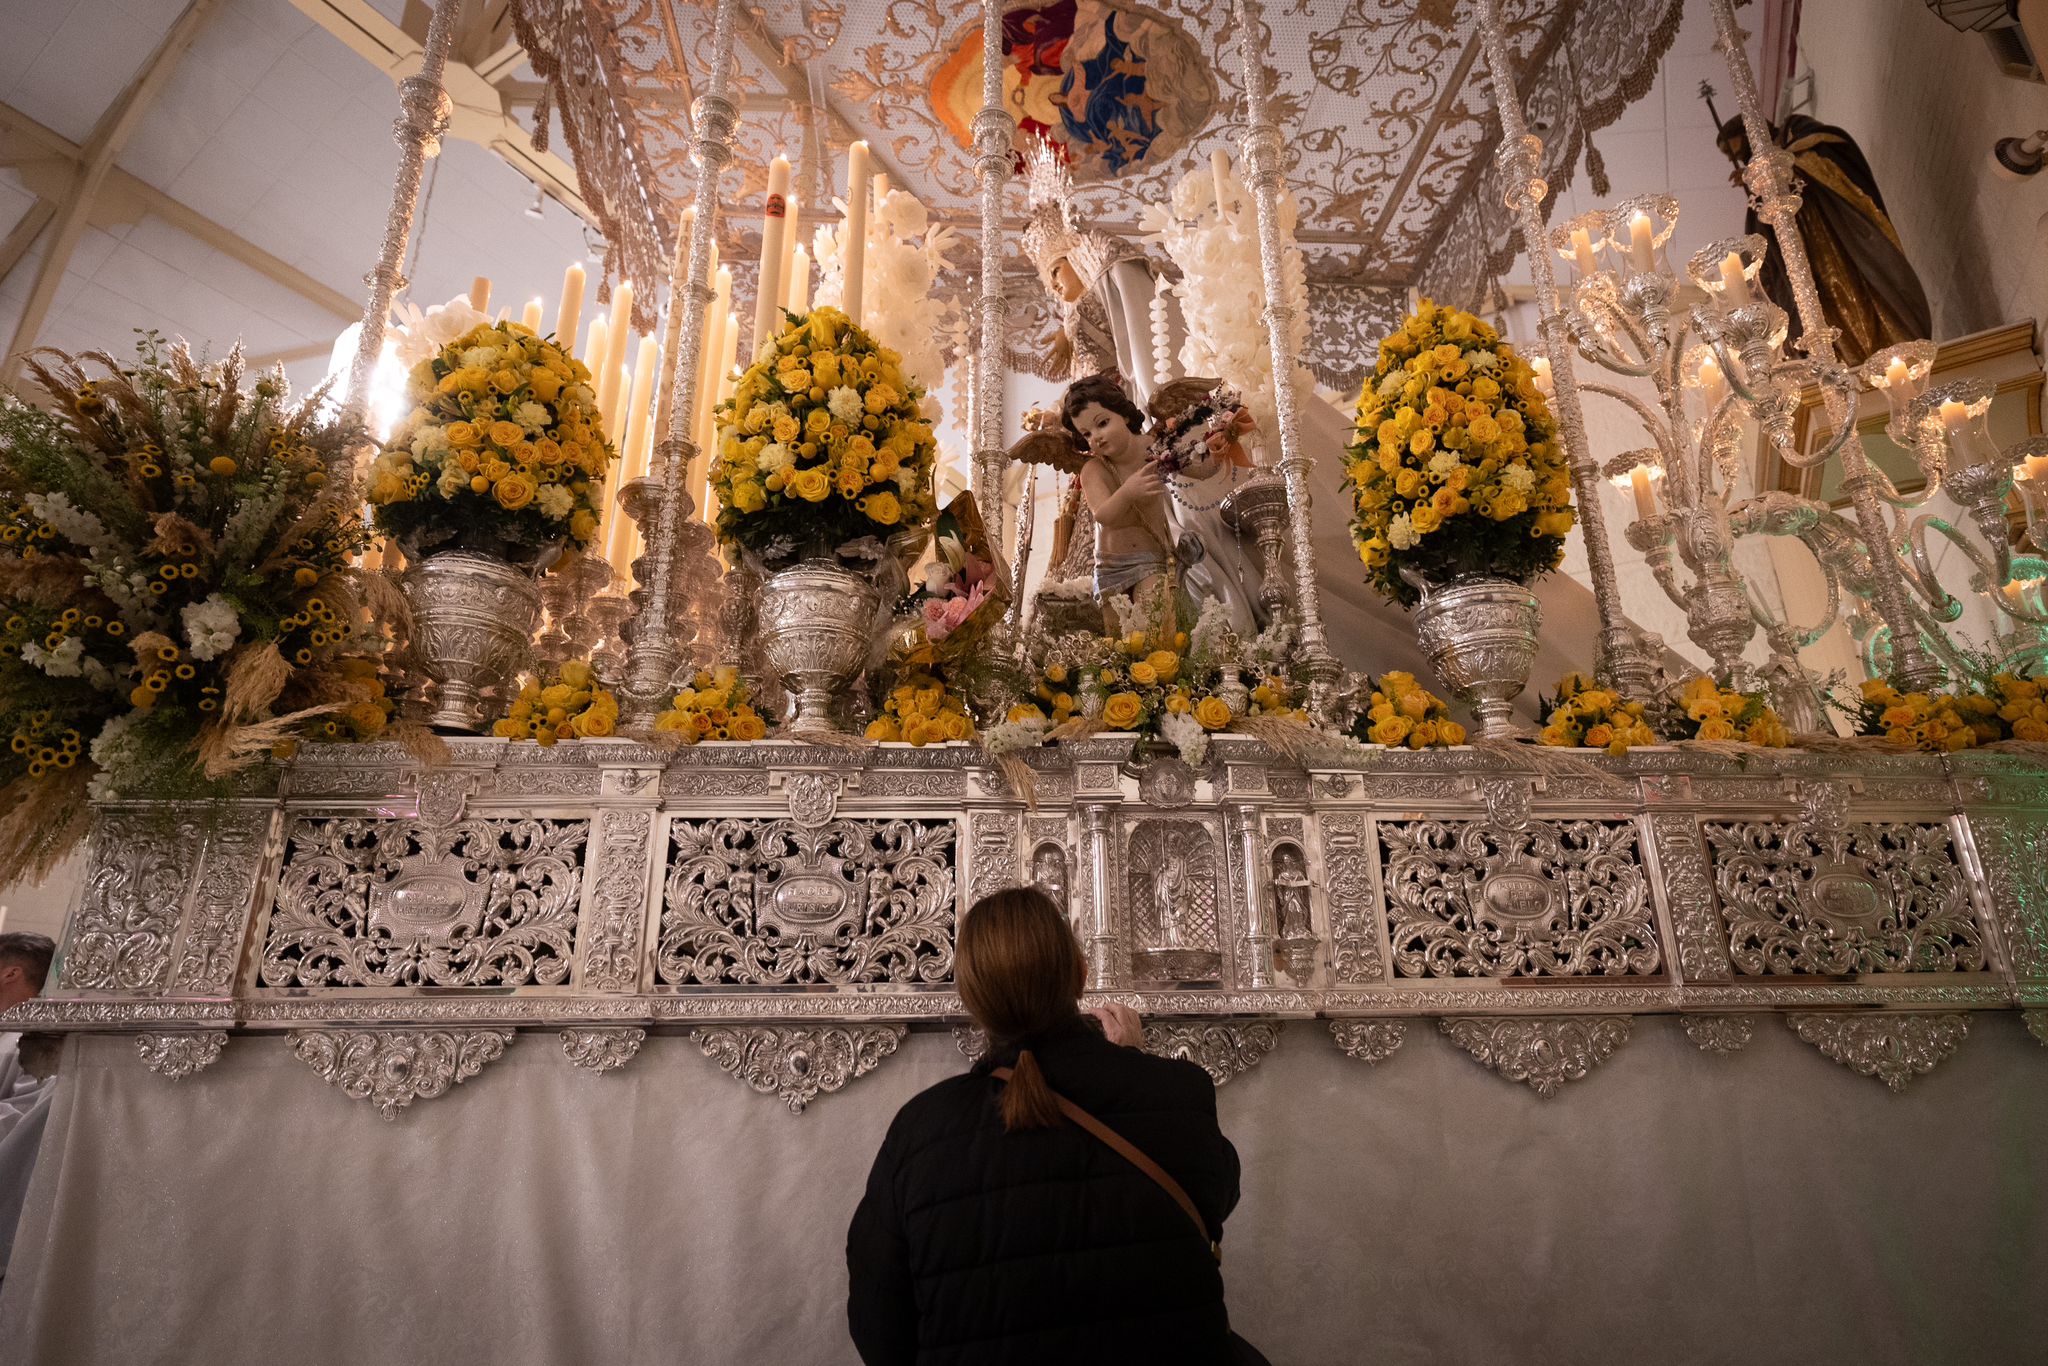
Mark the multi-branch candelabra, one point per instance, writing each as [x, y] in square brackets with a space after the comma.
[1625, 315]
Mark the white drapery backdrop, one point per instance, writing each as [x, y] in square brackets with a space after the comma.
[1674, 1207]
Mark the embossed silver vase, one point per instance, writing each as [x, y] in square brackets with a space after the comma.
[473, 618]
[1480, 635]
[816, 625]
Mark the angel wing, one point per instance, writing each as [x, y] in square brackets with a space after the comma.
[1177, 395]
[1052, 446]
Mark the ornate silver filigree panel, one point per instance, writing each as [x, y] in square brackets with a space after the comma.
[1222, 1049]
[1548, 899]
[1171, 886]
[1689, 893]
[378, 903]
[1854, 898]
[602, 1050]
[1543, 1052]
[2017, 878]
[1893, 1046]
[972, 1042]
[776, 903]
[178, 1056]
[1348, 869]
[798, 1064]
[392, 1068]
[120, 935]
[994, 852]
[1719, 1033]
[618, 897]
[228, 874]
[1372, 1041]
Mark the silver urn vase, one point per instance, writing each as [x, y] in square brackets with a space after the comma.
[816, 625]
[473, 619]
[1480, 635]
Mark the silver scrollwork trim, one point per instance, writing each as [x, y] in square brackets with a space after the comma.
[599, 1051]
[392, 1068]
[177, 1056]
[1892, 1046]
[798, 1064]
[1542, 1052]
[1224, 1049]
[1719, 1033]
[1370, 1041]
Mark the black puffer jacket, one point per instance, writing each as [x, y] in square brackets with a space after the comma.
[1043, 1247]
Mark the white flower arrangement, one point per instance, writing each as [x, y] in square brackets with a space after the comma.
[905, 254]
[1216, 246]
[212, 626]
[1007, 737]
[1185, 734]
[420, 336]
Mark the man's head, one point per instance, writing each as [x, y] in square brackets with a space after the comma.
[24, 965]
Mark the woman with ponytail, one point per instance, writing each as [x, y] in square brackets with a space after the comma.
[1061, 1203]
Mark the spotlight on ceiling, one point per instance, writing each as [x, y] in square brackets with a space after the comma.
[2018, 158]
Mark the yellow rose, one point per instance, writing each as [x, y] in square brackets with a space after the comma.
[1024, 711]
[547, 385]
[514, 491]
[882, 507]
[1122, 711]
[1450, 732]
[1165, 663]
[817, 422]
[582, 525]
[1715, 728]
[748, 726]
[463, 434]
[1391, 731]
[1425, 518]
[1597, 737]
[1213, 712]
[811, 485]
[1143, 674]
[958, 727]
[505, 381]
[506, 433]
[747, 496]
[596, 723]
[786, 428]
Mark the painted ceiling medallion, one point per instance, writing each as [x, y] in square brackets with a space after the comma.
[1119, 86]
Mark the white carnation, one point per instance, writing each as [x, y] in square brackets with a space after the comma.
[485, 356]
[452, 482]
[905, 478]
[532, 416]
[846, 404]
[211, 626]
[1400, 531]
[774, 458]
[1518, 477]
[430, 442]
[554, 501]
[1442, 463]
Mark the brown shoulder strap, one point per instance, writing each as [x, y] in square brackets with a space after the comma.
[1132, 1154]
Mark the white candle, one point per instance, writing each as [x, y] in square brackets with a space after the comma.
[709, 349]
[1219, 168]
[768, 286]
[1642, 242]
[617, 328]
[480, 294]
[594, 352]
[1541, 366]
[2031, 468]
[530, 318]
[1712, 382]
[1646, 497]
[1896, 373]
[1582, 253]
[642, 395]
[797, 298]
[1734, 284]
[853, 234]
[570, 314]
[790, 219]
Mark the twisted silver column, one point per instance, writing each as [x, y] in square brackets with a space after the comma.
[1621, 663]
[424, 109]
[994, 142]
[1773, 190]
[652, 654]
[1263, 157]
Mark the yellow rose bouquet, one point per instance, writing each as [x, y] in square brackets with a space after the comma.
[1404, 714]
[922, 710]
[715, 706]
[821, 444]
[1707, 711]
[1455, 466]
[570, 706]
[1582, 716]
[1948, 721]
[503, 450]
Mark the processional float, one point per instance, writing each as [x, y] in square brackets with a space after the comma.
[791, 900]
